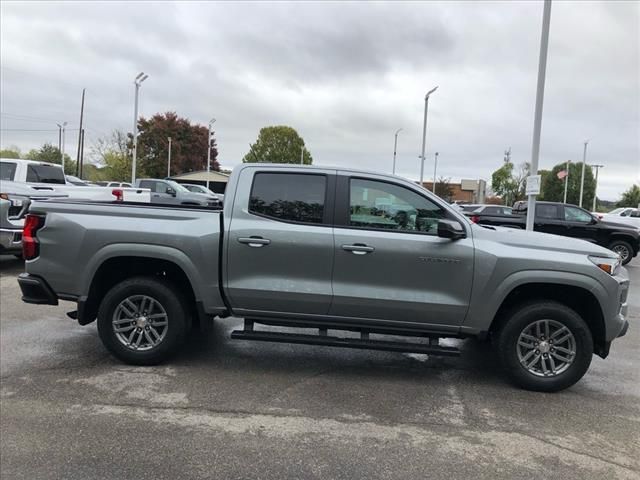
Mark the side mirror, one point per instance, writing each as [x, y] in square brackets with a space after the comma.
[451, 229]
[171, 191]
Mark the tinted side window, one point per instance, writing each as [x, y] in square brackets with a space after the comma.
[547, 211]
[45, 174]
[492, 210]
[148, 184]
[573, 214]
[289, 196]
[7, 170]
[381, 205]
[635, 213]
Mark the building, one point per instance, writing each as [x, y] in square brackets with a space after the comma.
[217, 180]
[467, 191]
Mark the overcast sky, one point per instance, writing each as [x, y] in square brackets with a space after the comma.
[345, 75]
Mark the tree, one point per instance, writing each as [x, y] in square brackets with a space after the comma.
[50, 154]
[113, 153]
[443, 188]
[11, 152]
[278, 144]
[510, 184]
[552, 187]
[630, 198]
[188, 147]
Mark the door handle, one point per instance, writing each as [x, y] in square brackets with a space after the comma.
[358, 248]
[255, 242]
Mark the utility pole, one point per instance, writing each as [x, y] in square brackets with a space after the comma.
[537, 122]
[566, 182]
[584, 163]
[597, 167]
[435, 168]
[302, 155]
[64, 125]
[79, 137]
[141, 77]
[81, 153]
[395, 146]
[211, 122]
[60, 145]
[424, 133]
[169, 159]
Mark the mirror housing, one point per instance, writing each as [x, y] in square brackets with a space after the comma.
[171, 191]
[451, 229]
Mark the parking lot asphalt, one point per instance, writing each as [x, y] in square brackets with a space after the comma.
[232, 409]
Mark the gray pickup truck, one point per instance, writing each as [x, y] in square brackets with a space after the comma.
[334, 250]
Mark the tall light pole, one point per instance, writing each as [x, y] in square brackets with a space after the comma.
[584, 163]
[566, 182]
[169, 159]
[211, 122]
[435, 168]
[537, 122]
[424, 132]
[141, 77]
[597, 167]
[302, 155]
[395, 147]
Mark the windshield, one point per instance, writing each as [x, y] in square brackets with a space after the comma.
[44, 173]
[617, 211]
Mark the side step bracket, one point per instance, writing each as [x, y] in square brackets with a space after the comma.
[364, 342]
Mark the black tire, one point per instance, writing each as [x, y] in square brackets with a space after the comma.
[517, 322]
[622, 248]
[176, 321]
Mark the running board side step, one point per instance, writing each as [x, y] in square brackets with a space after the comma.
[362, 343]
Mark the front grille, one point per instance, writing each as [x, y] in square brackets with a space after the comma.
[14, 210]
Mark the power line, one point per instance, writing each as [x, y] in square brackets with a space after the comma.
[33, 130]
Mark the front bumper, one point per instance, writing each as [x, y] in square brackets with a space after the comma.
[10, 240]
[36, 290]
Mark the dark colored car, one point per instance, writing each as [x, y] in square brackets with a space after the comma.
[570, 221]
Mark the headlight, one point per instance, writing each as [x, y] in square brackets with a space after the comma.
[609, 265]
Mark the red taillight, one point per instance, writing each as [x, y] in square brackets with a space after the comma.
[30, 244]
[116, 192]
[474, 218]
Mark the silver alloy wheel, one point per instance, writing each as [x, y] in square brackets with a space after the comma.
[140, 322]
[622, 251]
[546, 348]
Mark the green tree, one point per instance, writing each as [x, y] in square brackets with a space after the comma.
[278, 144]
[50, 154]
[11, 152]
[188, 146]
[112, 152]
[552, 188]
[509, 183]
[630, 198]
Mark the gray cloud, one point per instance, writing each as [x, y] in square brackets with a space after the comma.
[346, 75]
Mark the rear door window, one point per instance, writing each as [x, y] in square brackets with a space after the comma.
[42, 173]
[150, 184]
[7, 170]
[547, 211]
[293, 197]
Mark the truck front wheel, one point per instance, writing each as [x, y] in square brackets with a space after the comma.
[142, 321]
[623, 249]
[545, 346]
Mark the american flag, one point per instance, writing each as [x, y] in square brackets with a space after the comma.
[562, 173]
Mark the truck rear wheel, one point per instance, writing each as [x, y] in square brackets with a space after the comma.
[142, 321]
[623, 249]
[545, 346]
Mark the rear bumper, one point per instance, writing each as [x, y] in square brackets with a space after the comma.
[36, 290]
[10, 240]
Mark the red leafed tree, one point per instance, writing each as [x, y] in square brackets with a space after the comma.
[188, 146]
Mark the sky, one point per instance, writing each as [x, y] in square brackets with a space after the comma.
[345, 75]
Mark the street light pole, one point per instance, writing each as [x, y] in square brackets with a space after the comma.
[60, 145]
[211, 122]
[597, 167]
[169, 159]
[395, 147]
[424, 132]
[141, 77]
[302, 155]
[584, 163]
[566, 182]
[537, 122]
[435, 168]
